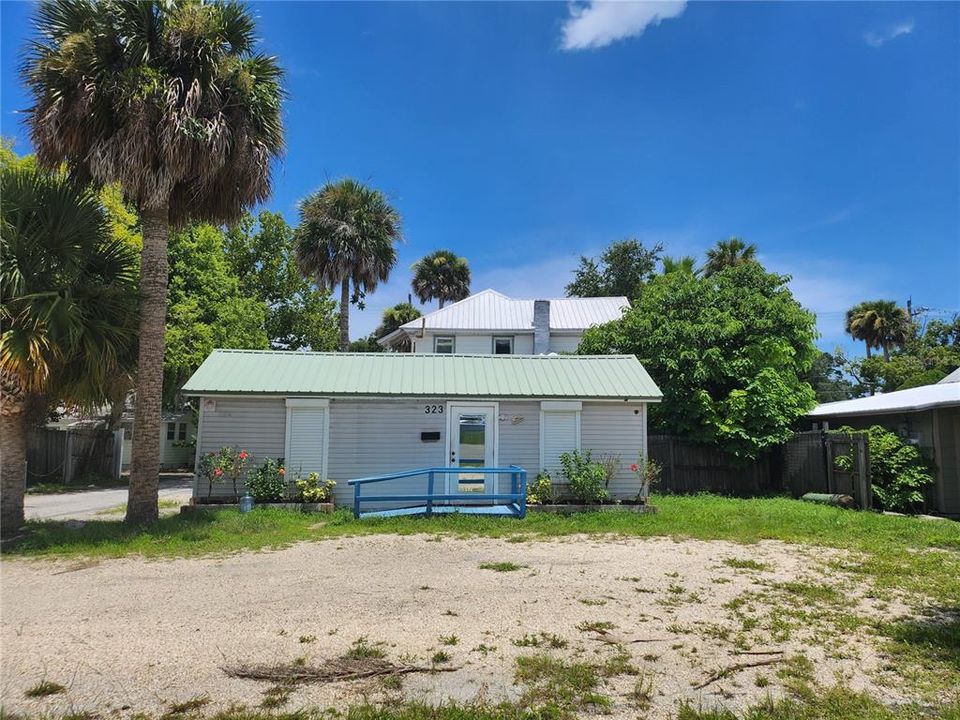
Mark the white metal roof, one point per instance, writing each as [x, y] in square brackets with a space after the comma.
[491, 310]
[953, 377]
[924, 397]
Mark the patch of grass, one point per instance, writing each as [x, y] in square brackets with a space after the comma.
[484, 649]
[501, 566]
[440, 656]
[550, 640]
[449, 639]
[362, 649]
[740, 564]
[276, 696]
[187, 706]
[44, 688]
[641, 694]
[304, 639]
[600, 626]
[592, 602]
[563, 686]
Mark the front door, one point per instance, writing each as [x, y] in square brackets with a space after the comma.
[472, 438]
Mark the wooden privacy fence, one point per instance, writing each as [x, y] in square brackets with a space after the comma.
[73, 454]
[813, 461]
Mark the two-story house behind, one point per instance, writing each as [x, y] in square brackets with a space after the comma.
[490, 323]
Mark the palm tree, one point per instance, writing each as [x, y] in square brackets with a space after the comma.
[68, 312]
[728, 253]
[441, 276]
[879, 324]
[172, 101]
[347, 236]
[686, 264]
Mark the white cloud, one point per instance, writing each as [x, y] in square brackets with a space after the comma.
[599, 23]
[879, 38]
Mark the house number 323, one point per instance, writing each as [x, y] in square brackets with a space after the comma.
[433, 409]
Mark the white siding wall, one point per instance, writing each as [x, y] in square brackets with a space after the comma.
[615, 428]
[564, 343]
[256, 425]
[372, 437]
[520, 436]
[483, 344]
[375, 437]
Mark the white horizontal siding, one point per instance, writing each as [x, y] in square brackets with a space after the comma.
[256, 425]
[520, 436]
[617, 429]
[564, 343]
[377, 437]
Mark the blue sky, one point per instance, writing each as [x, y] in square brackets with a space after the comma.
[521, 135]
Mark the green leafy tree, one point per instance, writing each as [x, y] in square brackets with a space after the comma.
[730, 351]
[828, 379]
[441, 276]
[622, 269]
[208, 308]
[729, 253]
[347, 237]
[394, 317]
[172, 101]
[67, 312]
[261, 255]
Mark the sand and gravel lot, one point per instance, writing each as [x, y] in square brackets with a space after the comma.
[128, 636]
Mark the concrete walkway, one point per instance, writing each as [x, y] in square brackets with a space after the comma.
[87, 504]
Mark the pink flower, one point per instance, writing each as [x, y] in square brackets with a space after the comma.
[243, 455]
[282, 471]
[218, 472]
[633, 468]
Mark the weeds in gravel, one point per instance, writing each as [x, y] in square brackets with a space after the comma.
[361, 649]
[739, 564]
[44, 688]
[597, 626]
[501, 566]
[175, 710]
[563, 686]
[449, 639]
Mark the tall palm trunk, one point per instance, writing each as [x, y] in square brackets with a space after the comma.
[345, 315]
[867, 342]
[13, 462]
[886, 351]
[142, 505]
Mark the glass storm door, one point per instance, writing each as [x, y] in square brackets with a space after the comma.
[471, 432]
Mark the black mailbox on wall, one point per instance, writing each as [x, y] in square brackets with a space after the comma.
[432, 436]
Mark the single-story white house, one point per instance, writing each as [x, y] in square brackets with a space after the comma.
[927, 416]
[177, 429]
[353, 415]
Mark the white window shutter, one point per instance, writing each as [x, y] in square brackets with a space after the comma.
[560, 433]
[306, 441]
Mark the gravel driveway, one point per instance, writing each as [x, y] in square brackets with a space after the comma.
[129, 635]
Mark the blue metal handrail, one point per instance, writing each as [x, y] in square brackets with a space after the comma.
[517, 494]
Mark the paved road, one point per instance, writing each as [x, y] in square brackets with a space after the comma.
[85, 505]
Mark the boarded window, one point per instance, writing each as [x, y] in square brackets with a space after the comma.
[560, 434]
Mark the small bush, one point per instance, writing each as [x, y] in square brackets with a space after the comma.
[648, 473]
[898, 472]
[44, 688]
[313, 490]
[540, 491]
[586, 479]
[267, 483]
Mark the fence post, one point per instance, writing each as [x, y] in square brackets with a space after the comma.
[673, 472]
[864, 487]
[523, 494]
[430, 493]
[356, 500]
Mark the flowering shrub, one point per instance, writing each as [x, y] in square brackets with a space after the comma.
[648, 473]
[587, 479]
[267, 483]
[540, 490]
[225, 464]
[313, 490]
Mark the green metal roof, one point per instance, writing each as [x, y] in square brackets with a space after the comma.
[415, 375]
